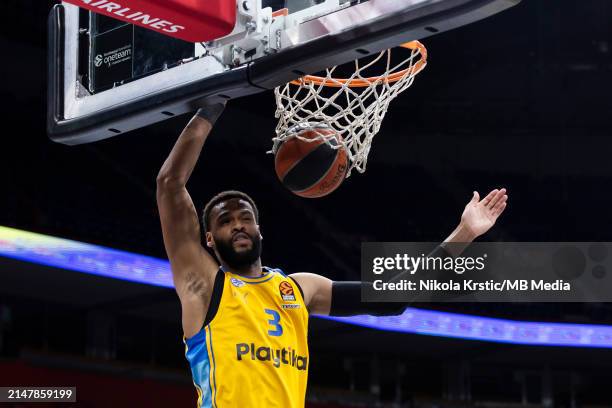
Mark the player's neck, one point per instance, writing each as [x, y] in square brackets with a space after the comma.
[252, 271]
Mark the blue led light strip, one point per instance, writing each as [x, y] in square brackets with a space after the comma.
[112, 263]
[81, 257]
[468, 327]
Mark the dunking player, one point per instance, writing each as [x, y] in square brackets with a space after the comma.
[244, 324]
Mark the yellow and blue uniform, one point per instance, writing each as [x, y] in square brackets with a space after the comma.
[253, 351]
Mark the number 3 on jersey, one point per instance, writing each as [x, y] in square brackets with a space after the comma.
[274, 322]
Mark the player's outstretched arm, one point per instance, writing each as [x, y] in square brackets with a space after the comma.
[325, 297]
[193, 269]
[477, 218]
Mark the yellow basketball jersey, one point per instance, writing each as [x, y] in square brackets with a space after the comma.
[254, 351]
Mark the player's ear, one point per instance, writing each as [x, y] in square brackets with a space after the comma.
[259, 231]
[209, 240]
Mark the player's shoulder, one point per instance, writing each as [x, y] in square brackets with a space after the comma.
[275, 271]
[281, 276]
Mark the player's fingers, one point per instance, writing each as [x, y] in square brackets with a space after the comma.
[489, 197]
[500, 208]
[498, 196]
[500, 201]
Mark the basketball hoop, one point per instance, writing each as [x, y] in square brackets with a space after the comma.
[353, 106]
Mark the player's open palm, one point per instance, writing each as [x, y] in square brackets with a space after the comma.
[480, 215]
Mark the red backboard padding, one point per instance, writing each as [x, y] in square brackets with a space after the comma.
[189, 20]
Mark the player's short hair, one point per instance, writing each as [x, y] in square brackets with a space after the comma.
[225, 196]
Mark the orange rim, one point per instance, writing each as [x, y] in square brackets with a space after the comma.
[281, 12]
[364, 82]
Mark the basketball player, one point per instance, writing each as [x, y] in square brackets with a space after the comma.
[245, 325]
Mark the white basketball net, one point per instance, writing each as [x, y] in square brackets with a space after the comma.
[354, 106]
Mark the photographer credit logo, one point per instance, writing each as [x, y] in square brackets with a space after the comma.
[488, 272]
[422, 263]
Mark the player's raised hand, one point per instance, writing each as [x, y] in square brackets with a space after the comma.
[480, 215]
[211, 111]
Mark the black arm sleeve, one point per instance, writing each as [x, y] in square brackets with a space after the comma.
[211, 112]
[346, 297]
[346, 301]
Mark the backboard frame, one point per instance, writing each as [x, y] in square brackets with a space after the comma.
[76, 117]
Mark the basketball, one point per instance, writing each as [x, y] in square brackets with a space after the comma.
[311, 169]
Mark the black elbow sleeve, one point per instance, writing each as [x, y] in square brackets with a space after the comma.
[346, 301]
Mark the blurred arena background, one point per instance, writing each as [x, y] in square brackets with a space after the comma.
[521, 100]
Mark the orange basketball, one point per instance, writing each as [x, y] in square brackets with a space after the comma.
[311, 169]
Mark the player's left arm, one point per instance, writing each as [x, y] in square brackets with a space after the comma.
[317, 291]
[324, 296]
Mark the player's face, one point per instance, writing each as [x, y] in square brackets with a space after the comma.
[234, 233]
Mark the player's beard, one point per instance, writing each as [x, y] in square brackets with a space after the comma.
[239, 260]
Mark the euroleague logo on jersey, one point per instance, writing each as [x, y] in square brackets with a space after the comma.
[286, 291]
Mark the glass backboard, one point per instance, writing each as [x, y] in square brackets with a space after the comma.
[108, 77]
